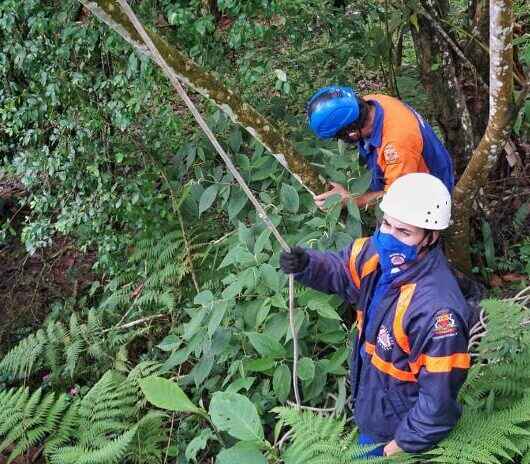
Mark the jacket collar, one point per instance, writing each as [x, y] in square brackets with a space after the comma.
[377, 132]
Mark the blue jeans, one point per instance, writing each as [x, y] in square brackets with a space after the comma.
[368, 440]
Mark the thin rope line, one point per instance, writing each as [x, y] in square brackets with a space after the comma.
[231, 167]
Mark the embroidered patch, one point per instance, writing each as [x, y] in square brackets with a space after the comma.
[397, 259]
[444, 325]
[391, 154]
[384, 339]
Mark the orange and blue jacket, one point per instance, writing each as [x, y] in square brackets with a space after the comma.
[411, 358]
[402, 142]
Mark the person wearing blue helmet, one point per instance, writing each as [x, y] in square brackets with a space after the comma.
[392, 138]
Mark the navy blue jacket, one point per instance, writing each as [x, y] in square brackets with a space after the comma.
[409, 364]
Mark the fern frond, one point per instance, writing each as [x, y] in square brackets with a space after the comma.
[150, 439]
[65, 430]
[22, 358]
[486, 437]
[144, 369]
[318, 439]
[98, 428]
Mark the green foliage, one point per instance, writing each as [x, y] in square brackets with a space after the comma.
[156, 269]
[102, 427]
[235, 414]
[71, 95]
[28, 418]
[165, 394]
[501, 373]
[109, 159]
[241, 453]
[64, 351]
[487, 437]
[318, 439]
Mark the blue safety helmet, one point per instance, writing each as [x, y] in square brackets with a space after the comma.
[331, 109]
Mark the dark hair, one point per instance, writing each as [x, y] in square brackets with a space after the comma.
[430, 233]
[363, 111]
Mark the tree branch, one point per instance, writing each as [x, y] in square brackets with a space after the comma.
[207, 85]
[446, 37]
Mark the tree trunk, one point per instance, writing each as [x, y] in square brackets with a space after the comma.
[439, 73]
[496, 134]
[207, 85]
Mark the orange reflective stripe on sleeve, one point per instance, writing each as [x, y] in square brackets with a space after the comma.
[441, 364]
[369, 347]
[401, 308]
[387, 367]
[370, 266]
[393, 371]
[355, 250]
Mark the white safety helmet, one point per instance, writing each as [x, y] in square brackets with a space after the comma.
[420, 200]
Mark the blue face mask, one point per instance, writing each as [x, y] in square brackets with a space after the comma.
[392, 253]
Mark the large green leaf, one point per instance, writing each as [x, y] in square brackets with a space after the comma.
[165, 394]
[170, 343]
[241, 453]
[176, 359]
[360, 185]
[266, 345]
[235, 414]
[202, 369]
[198, 444]
[235, 139]
[238, 200]
[289, 198]
[217, 316]
[281, 382]
[259, 365]
[306, 369]
[207, 198]
[324, 309]
[262, 241]
[270, 276]
[203, 298]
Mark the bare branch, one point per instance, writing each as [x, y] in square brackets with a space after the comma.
[445, 36]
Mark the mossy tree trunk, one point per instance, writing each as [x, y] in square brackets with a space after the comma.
[473, 116]
[210, 87]
[495, 136]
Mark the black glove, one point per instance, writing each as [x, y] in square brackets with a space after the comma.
[295, 261]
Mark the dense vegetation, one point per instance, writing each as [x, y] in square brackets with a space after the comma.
[184, 308]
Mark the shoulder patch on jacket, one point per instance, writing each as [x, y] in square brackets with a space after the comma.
[391, 155]
[444, 324]
[384, 339]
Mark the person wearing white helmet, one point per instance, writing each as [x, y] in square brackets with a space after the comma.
[410, 356]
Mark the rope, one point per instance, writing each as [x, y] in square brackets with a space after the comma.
[231, 167]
